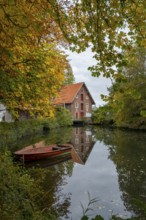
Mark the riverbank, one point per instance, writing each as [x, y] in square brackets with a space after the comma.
[12, 132]
[125, 126]
[116, 161]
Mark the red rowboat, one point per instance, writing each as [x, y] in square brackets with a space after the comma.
[32, 153]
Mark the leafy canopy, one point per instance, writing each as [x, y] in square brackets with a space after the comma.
[32, 66]
[126, 100]
[108, 27]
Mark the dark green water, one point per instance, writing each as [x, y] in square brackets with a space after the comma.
[109, 165]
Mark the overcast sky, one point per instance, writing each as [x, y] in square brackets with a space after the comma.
[80, 63]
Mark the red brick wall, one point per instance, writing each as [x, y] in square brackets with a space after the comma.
[82, 105]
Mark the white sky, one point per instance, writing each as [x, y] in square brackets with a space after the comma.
[96, 86]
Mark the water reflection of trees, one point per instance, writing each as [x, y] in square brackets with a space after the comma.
[52, 136]
[53, 178]
[59, 136]
[56, 176]
[128, 152]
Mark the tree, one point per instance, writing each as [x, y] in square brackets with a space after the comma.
[108, 27]
[103, 115]
[128, 93]
[69, 77]
[32, 86]
[32, 66]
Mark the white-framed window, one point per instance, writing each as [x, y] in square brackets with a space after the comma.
[87, 97]
[77, 96]
[76, 105]
[87, 107]
[76, 140]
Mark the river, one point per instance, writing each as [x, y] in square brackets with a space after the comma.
[107, 167]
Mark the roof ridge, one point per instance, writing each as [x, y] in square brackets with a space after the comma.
[68, 93]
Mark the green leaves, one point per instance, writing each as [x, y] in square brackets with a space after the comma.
[106, 27]
[143, 113]
[17, 191]
[97, 217]
[127, 95]
[86, 210]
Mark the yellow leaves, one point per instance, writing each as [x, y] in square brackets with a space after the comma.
[32, 70]
[143, 43]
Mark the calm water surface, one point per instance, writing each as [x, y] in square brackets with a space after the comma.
[106, 164]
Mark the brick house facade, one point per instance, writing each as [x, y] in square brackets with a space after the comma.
[76, 98]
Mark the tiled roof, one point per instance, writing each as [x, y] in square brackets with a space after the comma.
[68, 93]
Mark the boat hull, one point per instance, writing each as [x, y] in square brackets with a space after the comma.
[33, 154]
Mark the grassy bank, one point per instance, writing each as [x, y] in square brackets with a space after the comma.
[12, 132]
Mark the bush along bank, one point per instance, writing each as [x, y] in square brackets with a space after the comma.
[11, 132]
[20, 192]
[107, 116]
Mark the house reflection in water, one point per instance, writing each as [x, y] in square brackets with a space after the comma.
[82, 142]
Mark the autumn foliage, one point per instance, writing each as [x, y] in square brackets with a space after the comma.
[32, 65]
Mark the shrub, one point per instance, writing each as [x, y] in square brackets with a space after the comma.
[19, 192]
